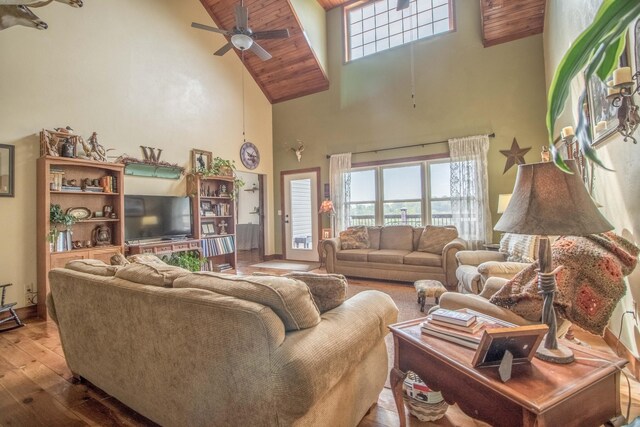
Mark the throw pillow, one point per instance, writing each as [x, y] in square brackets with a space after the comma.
[290, 299]
[328, 290]
[146, 258]
[151, 273]
[354, 238]
[434, 239]
[520, 247]
[92, 266]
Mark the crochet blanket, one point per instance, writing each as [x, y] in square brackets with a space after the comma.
[589, 286]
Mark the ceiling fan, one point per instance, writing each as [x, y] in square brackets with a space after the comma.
[242, 36]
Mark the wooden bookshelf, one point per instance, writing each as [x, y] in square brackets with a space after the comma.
[211, 209]
[83, 230]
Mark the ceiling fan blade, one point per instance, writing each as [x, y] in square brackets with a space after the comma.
[258, 50]
[224, 49]
[402, 4]
[242, 17]
[271, 34]
[208, 28]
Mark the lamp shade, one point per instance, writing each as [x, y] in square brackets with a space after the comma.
[327, 207]
[547, 201]
[503, 202]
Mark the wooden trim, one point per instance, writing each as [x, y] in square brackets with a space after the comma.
[618, 347]
[29, 312]
[401, 160]
[273, 257]
[283, 233]
[261, 205]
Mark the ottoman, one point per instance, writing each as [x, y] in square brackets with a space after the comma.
[428, 289]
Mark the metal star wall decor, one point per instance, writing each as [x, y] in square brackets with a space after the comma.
[514, 156]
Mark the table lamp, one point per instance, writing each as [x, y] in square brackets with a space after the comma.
[547, 201]
[327, 208]
[503, 202]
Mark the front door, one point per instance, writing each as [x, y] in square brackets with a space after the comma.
[300, 216]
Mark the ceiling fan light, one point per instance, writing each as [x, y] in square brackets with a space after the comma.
[241, 41]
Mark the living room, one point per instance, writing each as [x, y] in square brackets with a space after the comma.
[139, 75]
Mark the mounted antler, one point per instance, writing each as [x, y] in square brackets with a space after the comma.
[299, 150]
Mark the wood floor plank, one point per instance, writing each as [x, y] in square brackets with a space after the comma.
[14, 413]
[47, 410]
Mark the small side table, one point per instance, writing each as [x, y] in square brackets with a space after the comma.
[13, 316]
[428, 289]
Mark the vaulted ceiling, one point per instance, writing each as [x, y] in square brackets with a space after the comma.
[295, 71]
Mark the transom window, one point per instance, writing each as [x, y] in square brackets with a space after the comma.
[410, 193]
[374, 26]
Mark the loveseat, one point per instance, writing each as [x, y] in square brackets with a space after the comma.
[207, 349]
[392, 253]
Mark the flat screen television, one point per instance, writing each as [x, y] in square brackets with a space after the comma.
[156, 217]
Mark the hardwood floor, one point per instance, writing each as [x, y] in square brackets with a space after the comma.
[37, 388]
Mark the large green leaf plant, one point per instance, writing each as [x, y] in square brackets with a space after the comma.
[596, 51]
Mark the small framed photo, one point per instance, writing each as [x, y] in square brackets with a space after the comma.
[200, 160]
[7, 170]
[326, 233]
[206, 206]
[522, 342]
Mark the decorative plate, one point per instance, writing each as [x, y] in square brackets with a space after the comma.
[79, 213]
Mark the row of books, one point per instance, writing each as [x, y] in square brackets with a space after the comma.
[218, 246]
[216, 209]
[218, 268]
[464, 327]
[57, 182]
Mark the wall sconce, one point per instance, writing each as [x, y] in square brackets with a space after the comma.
[621, 92]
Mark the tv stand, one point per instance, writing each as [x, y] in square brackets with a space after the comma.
[164, 247]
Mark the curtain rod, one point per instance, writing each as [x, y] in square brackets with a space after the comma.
[493, 135]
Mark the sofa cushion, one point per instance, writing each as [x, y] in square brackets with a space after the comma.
[290, 299]
[359, 255]
[374, 237]
[151, 273]
[398, 237]
[423, 258]
[388, 256]
[434, 239]
[146, 258]
[92, 266]
[354, 238]
[328, 290]
[519, 247]
[417, 233]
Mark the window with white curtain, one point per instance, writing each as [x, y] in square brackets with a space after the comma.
[416, 194]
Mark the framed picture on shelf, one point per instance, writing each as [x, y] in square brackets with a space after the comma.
[200, 160]
[7, 170]
[522, 342]
[603, 116]
[206, 206]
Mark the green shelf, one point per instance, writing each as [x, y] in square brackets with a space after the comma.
[153, 171]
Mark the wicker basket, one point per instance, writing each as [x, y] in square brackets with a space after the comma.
[423, 403]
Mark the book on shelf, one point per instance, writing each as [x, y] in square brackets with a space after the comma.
[470, 339]
[453, 317]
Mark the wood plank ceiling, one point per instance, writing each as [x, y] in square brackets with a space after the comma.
[294, 70]
[507, 20]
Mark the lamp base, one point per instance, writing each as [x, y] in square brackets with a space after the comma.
[561, 355]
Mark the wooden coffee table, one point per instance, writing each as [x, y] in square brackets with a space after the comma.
[582, 393]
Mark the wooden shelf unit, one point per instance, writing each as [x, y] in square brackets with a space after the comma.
[198, 187]
[77, 169]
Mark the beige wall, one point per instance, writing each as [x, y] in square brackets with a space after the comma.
[138, 74]
[461, 88]
[313, 19]
[618, 191]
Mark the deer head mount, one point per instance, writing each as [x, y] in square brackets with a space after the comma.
[298, 150]
[16, 12]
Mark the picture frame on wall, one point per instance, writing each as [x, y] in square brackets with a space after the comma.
[603, 116]
[200, 160]
[7, 170]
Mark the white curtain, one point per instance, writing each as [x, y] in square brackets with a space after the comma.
[470, 189]
[340, 176]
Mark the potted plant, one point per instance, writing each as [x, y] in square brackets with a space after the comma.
[60, 240]
[188, 260]
[222, 167]
[596, 50]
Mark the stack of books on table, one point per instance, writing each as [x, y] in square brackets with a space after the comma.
[464, 327]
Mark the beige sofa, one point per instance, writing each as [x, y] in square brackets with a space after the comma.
[187, 349]
[392, 255]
